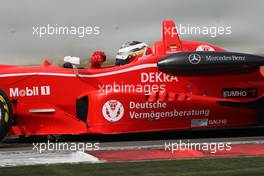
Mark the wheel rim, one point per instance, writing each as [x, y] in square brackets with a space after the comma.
[4, 113]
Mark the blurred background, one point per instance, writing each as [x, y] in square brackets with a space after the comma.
[121, 21]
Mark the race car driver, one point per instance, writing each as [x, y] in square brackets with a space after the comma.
[129, 51]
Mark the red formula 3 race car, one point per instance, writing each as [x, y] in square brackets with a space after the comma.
[175, 85]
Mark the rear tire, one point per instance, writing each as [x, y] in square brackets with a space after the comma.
[6, 114]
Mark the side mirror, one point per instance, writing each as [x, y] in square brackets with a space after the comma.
[72, 60]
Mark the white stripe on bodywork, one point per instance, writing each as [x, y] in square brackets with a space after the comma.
[138, 67]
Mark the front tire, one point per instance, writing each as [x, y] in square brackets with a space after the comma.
[6, 114]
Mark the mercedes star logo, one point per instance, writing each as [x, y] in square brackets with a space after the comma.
[194, 58]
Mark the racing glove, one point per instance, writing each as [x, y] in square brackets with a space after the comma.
[97, 58]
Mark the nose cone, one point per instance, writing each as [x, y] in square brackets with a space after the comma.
[202, 63]
[164, 63]
[176, 63]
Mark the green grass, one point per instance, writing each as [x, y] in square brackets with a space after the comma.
[238, 166]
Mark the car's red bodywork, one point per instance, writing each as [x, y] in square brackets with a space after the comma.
[45, 99]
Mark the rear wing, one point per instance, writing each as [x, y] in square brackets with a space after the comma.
[171, 42]
[170, 37]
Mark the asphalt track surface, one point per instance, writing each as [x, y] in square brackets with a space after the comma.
[15, 149]
[242, 135]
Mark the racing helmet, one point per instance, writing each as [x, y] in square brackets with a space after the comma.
[130, 51]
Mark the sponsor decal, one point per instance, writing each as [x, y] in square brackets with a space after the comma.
[29, 91]
[225, 58]
[159, 110]
[205, 48]
[217, 121]
[239, 92]
[199, 122]
[157, 77]
[147, 105]
[113, 110]
[194, 58]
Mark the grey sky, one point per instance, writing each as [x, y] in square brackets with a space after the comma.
[121, 21]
